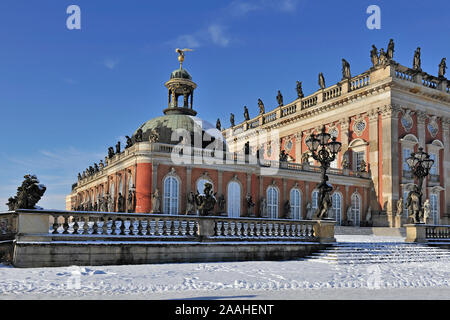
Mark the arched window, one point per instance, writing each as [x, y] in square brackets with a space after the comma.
[170, 195]
[336, 209]
[434, 204]
[234, 200]
[272, 202]
[296, 202]
[356, 209]
[314, 200]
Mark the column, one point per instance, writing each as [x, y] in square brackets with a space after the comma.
[446, 163]
[345, 135]
[390, 163]
[373, 157]
[298, 147]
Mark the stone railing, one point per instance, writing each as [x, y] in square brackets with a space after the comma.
[309, 102]
[430, 82]
[404, 73]
[287, 110]
[423, 233]
[332, 92]
[43, 225]
[359, 81]
[272, 116]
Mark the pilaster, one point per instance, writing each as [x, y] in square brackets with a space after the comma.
[373, 155]
[446, 162]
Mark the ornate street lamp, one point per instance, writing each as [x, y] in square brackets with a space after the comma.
[324, 151]
[420, 165]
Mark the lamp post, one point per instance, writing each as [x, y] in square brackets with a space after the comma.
[420, 164]
[324, 151]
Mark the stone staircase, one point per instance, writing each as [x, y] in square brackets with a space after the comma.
[379, 252]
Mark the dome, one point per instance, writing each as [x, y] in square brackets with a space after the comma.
[180, 74]
[168, 124]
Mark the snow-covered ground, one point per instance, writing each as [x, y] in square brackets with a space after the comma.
[301, 279]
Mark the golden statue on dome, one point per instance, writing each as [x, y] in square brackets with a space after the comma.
[181, 55]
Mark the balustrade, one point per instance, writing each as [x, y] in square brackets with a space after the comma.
[359, 82]
[437, 232]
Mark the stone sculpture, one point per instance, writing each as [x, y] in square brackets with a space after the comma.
[300, 90]
[190, 203]
[390, 50]
[153, 136]
[131, 201]
[261, 107]
[263, 208]
[110, 203]
[324, 201]
[246, 115]
[118, 147]
[416, 60]
[321, 81]
[129, 142]
[221, 203]
[374, 56]
[110, 152]
[249, 203]
[120, 203]
[156, 201]
[28, 194]
[139, 136]
[362, 166]
[232, 119]
[369, 215]
[349, 216]
[287, 210]
[218, 125]
[442, 67]
[400, 205]
[205, 202]
[426, 211]
[309, 212]
[280, 98]
[383, 58]
[283, 156]
[413, 204]
[345, 70]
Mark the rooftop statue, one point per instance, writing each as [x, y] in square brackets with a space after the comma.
[232, 119]
[383, 58]
[218, 125]
[299, 90]
[139, 136]
[129, 142]
[442, 67]
[246, 115]
[261, 107]
[154, 136]
[321, 81]
[416, 61]
[110, 152]
[390, 50]
[345, 70]
[280, 98]
[181, 55]
[118, 147]
[374, 56]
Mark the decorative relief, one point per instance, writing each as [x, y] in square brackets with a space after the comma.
[288, 144]
[407, 120]
[433, 126]
[359, 126]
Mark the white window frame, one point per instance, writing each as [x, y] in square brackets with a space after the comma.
[171, 195]
[295, 197]
[272, 202]
[337, 210]
[356, 210]
[233, 205]
[434, 206]
[314, 200]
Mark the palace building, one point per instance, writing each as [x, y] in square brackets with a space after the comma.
[262, 167]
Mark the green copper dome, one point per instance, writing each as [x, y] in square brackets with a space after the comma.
[166, 125]
[180, 74]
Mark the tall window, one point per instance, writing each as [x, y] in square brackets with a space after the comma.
[434, 168]
[356, 209]
[295, 204]
[170, 195]
[272, 202]
[336, 209]
[406, 152]
[234, 200]
[315, 200]
[434, 204]
[334, 163]
[120, 190]
[359, 156]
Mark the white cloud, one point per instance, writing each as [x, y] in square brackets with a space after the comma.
[187, 41]
[217, 34]
[110, 63]
[241, 8]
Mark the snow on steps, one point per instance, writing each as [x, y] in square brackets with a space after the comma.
[379, 252]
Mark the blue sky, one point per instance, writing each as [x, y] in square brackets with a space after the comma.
[67, 95]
